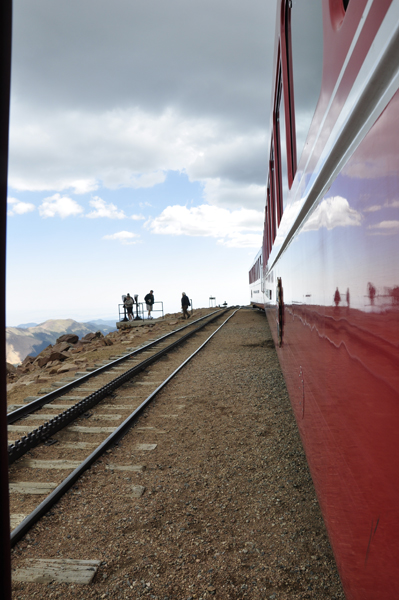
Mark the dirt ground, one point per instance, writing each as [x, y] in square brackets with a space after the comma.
[229, 509]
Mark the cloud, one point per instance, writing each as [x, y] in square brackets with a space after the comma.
[124, 237]
[16, 207]
[132, 148]
[239, 228]
[385, 228]
[60, 206]
[147, 180]
[333, 212]
[374, 208]
[229, 194]
[392, 204]
[109, 211]
[242, 240]
[186, 90]
[81, 186]
[203, 55]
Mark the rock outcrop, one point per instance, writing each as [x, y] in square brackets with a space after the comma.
[68, 337]
[61, 357]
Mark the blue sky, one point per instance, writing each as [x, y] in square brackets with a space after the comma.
[138, 147]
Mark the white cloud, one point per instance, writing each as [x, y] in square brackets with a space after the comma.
[239, 228]
[392, 204]
[109, 211]
[333, 212]
[83, 186]
[133, 148]
[124, 237]
[242, 240]
[60, 206]
[16, 207]
[374, 208]
[227, 193]
[385, 228]
[148, 179]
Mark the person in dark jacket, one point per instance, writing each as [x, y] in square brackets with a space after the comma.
[185, 303]
[149, 300]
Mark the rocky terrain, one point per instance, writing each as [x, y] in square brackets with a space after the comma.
[25, 340]
[70, 353]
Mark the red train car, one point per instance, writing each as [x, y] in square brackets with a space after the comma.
[328, 270]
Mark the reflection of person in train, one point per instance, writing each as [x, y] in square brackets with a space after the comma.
[395, 295]
[337, 297]
[371, 291]
[348, 297]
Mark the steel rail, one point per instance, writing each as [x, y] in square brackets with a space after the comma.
[28, 409]
[114, 438]
[60, 421]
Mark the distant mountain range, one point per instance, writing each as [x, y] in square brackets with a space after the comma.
[100, 322]
[31, 338]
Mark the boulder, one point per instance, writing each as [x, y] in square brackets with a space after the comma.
[68, 337]
[50, 358]
[44, 354]
[92, 336]
[76, 350]
[10, 368]
[28, 360]
[105, 342]
[41, 361]
[61, 346]
[53, 363]
[57, 356]
[66, 368]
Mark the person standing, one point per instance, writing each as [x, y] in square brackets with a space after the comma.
[128, 305]
[337, 297]
[185, 303]
[149, 300]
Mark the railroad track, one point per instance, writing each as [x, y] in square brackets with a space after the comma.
[91, 424]
[87, 389]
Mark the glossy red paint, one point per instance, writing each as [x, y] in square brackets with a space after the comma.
[342, 362]
[340, 318]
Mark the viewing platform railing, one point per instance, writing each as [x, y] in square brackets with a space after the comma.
[140, 312]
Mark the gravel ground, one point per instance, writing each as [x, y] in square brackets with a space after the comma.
[229, 509]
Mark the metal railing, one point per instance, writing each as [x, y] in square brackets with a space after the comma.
[140, 312]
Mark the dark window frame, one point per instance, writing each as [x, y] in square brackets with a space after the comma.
[272, 195]
[278, 174]
[286, 63]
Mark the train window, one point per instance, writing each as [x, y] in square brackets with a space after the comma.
[267, 245]
[281, 138]
[272, 196]
[306, 22]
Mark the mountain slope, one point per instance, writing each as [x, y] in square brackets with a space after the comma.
[32, 340]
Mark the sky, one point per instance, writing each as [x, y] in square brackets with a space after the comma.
[138, 153]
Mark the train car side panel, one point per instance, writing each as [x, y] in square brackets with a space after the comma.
[340, 352]
[330, 272]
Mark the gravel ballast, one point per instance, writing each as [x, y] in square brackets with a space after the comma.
[226, 509]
